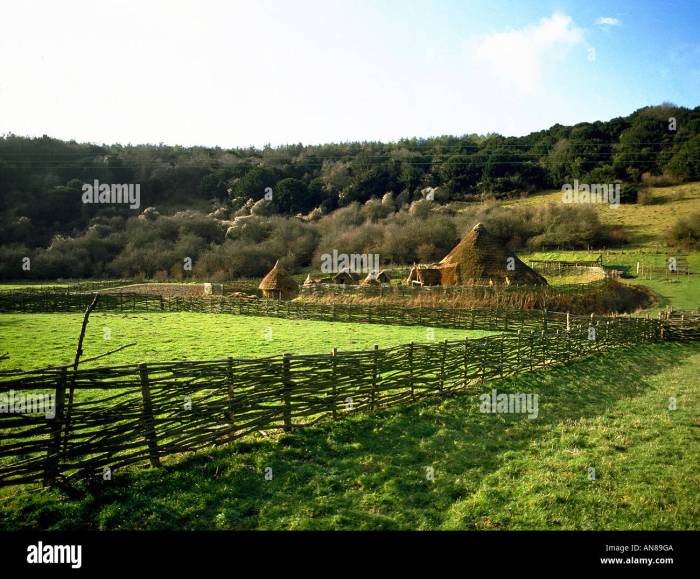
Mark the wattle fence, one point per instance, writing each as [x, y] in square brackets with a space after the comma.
[468, 319]
[139, 413]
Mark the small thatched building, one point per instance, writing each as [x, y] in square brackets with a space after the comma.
[278, 284]
[381, 278]
[479, 259]
[346, 278]
[425, 274]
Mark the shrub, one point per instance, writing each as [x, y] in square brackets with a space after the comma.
[685, 232]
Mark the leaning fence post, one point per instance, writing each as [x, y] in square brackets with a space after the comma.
[287, 392]
[54, 453]
[147, 417]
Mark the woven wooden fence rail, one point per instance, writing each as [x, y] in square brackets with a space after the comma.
[468, 319]
[140, 413]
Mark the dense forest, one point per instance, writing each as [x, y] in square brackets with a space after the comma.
[234, 211]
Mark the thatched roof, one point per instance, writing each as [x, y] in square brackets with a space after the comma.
[425, 274]
[480, 258]
[346, 278]
[278, 280]
[376, 278]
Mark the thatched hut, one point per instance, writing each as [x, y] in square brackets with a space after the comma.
[310, 282]
[425, 275]
[481, 259]
[278, 284]
[346, 278]
[381, 278]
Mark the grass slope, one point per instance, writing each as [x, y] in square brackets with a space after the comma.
[35, 340]
[491, 471]
[646, 224]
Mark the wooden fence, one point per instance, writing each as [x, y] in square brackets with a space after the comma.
[468, 319]
[142, 412]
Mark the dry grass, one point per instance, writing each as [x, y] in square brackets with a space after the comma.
[602, 299]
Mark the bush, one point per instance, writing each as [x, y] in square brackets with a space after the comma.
[685, 232]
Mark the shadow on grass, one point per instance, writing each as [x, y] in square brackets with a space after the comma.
[367, 472]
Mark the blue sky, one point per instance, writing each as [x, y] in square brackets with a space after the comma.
[240, 73]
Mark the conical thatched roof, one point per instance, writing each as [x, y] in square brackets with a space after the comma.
[480, 259]
[278, 280]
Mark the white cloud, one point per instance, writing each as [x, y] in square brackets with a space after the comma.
[608, 21]
[517, 58]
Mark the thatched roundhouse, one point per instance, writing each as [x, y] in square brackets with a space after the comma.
[479, 259]
[278, 284]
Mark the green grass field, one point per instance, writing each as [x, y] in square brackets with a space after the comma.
[36, 340]
[490, 471]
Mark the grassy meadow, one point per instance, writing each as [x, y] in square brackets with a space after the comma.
[36, 340]
[490, 471]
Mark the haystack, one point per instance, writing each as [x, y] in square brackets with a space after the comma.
[278, 284]
[481, 259]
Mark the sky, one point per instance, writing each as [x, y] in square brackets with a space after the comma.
[263, 72]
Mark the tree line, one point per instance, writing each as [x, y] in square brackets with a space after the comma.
[234, 196]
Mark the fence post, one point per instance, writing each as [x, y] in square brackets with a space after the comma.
[287, 391]
[373, 399]
[544, 347]
[147, 417]
[54, 453]
[334, 377]
[229, 388]
[466, 361]
[410, 370]
[442, 366]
